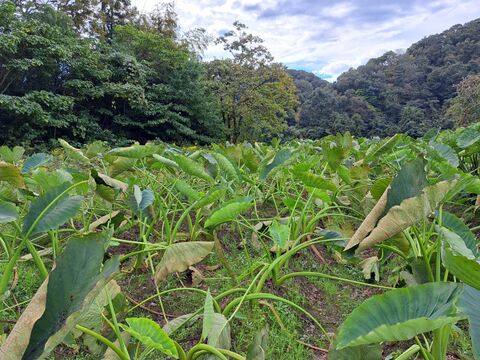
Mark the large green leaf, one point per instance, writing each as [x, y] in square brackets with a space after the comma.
[59, 209]
[208, 312]
[280, 234]
[63, 299]
[377, 149]
[279, 158]
[468, 137]
[8, 212]
[228, 212]
[140, 200]
[136, 151]
[11, 155]
[8, 193]
[315, 181]
[227, 166]
[468, 304]
[379, 187]
[35, 161]
[409, 212]
[453, 223]
[185, 189]
[401, 314]
[151, 334]
[210, 198]
[49, 179]
[92, 318]
[121, 165]
[179, 256]
[250, 159]
[11, 174]
[408, 183]
[193, 168]
[458, 258]
[165, 161]
[446, 152]
[333, 154]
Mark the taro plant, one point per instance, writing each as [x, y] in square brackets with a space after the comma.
[435, 306]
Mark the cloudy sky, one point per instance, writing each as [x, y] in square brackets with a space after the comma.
[322, 36]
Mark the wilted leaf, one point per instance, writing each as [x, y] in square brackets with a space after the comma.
[408, 213]
[219, 335]
[258, 348]
[72, 152]
[369, 266]
[178, 257]
[368, 223]
[11, 174]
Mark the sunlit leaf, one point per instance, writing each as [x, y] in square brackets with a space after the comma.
[228, 212]
[149, 333]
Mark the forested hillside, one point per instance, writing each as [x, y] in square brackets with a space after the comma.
[408, 93]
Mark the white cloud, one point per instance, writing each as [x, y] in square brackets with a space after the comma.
[327, 37]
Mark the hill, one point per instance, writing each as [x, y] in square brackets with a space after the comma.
[395, 92]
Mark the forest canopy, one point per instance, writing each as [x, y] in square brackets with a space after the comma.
[90, 70]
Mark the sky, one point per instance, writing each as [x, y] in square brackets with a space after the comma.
[322, 36]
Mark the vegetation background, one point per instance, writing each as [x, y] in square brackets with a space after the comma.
[90, 70]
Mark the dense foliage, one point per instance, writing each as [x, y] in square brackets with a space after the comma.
[396, 93]
[160, 252]
[125, 76]
[89, 70]
[57, 83]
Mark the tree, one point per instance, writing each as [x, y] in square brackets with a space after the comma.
[465, 107]
[256, 96]
[37, 53]
[56, 83]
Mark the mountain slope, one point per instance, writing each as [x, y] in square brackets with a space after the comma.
[395, 92]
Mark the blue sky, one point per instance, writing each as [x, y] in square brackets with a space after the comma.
[325, 37]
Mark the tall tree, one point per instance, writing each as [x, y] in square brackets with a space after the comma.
[465, 107]
[256, 95]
